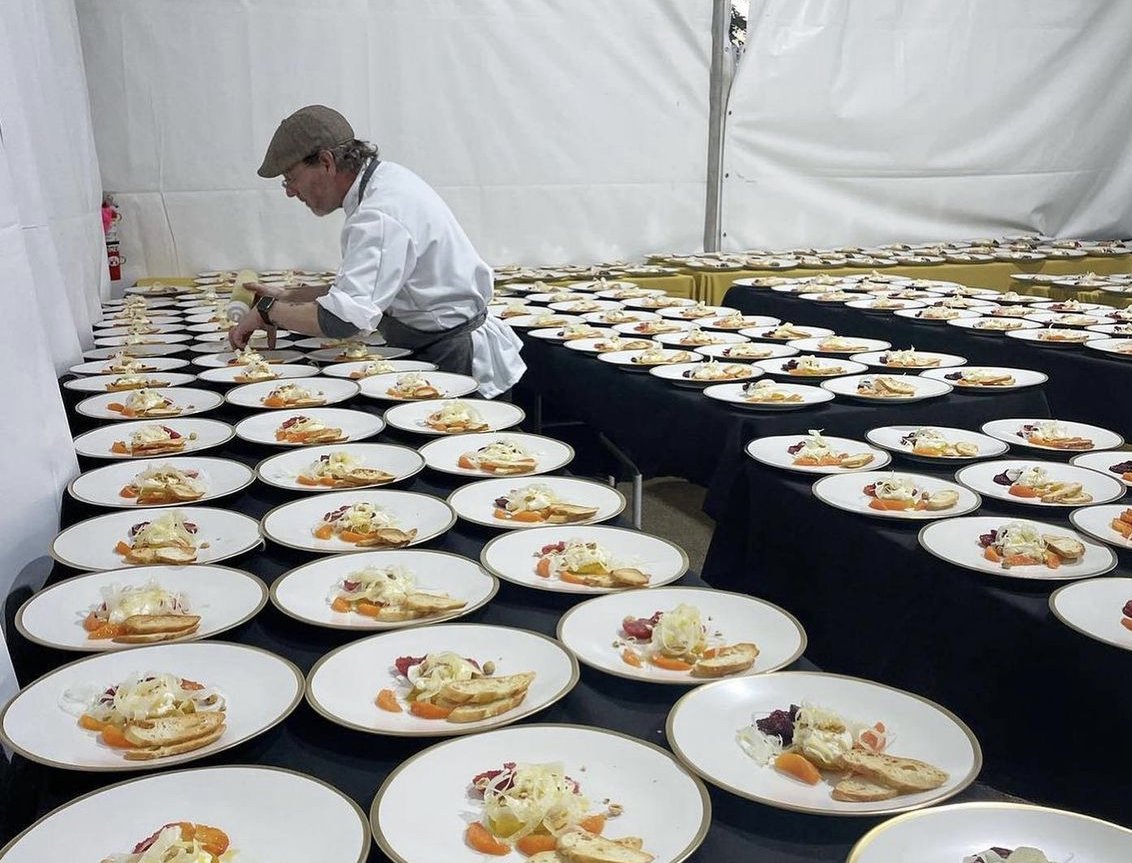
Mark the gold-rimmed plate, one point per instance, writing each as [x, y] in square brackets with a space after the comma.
[607, 766]
[707, 726]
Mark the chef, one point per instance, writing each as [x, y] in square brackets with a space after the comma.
[408, 269]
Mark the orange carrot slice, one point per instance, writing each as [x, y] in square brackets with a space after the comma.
[991, 554]
[630, 657]
[1126, 622]
[670, 664]
[1023, 491]
[128, 491]
[274, 402]
[481, 840]
[116, 406]
[534, 843]
[340, 605]
[90, 723]
[323, 531]
[543, 567]
[113, 736]
[303, 479]
[593, 823]
[387, 700]
[119, 446]
[123, 547]
[212, 839]
[428, 710]
[107, 630]
[91, 622]
[466, 463]
[368, 608]
[793, 764]
[352, 536]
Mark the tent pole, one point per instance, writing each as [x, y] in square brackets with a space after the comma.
[720, 28]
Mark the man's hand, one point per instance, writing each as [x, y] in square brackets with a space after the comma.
[240, 334]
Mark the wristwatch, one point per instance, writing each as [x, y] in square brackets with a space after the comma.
[263, 306]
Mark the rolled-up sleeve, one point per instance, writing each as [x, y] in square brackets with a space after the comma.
[377, 253]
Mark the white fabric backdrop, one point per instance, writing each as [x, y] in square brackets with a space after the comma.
[564, 130]
[882, 120]
[54, 267]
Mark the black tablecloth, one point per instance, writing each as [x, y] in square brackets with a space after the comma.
[1041, 698]
[357, 763]
[1083, 384]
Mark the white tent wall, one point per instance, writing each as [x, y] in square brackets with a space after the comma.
[882, 120]
[54, 266]
[564, 130]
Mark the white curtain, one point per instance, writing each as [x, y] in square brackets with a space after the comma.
[562, 130]
[883, 120]
[54, 267]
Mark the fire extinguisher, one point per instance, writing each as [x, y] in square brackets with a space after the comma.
[110, 219]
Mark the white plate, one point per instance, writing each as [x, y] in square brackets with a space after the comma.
[97, 383]
[734, 394]
[1104, 462]
[697, 312]
[916, 315]
[557, 334]
[1023, 378]
[208, 434]
[153, 364]
[719, 352]
[590, 629]
[657, 303]
[152, 327]
[376, 352]
[1007, 430]
[870, 306]
[220, 360]
[305, 592]
[189, 399]
[450, 385]
[627, 359]
[1057, 306]
[846, 491]
[114, 819]
[735, 323]
[320, 343]
[261, 690]
[677, 374]
[702, 729]
[607, 765]
[1093, 608]
[412, 416]
[547, 319]
[675, 340]
[874, 359]
[589, 304]
[223, 597]
[220, 476]
[1033, 337]
[282, 470]
[1060, 320]
[475, 502]
[1120, 348]
[292, 524]
[344, 370]
[858, 346]
[222, 346]
[956, 540]
[633, 329]
[965, 303]
[355, 425]
[980, 477]
[333, 391]
[343, 685]
[560, 296]
[151, 340]
[776, 368]
[133, 351]
[590, 346]
[764, 333]
[926, 388]
[1111, 330]
[285, 371]
[773, 451]
[513, 555]
[1096, 521]
[638, 315]
[974, 325]
[948, 834]
[443, 454]
[89, 544]
[890, 437]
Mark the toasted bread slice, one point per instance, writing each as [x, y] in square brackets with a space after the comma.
[388, 537]
[629, 577]
[854, 460]
[169, 749]
[545, 857]
[160, 448]
[366, 476]
[167, 554]
[476, 712]
[857, 789]
[427, 603]
[563, 513]
[484, 690]
[727, 660]
[944, 499]
[895, 386]
[173, 730]
[160, 412]
[1065, 547]
[582, 847]
[904, 774]
[147, 628]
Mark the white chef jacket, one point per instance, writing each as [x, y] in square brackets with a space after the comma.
[403, 252]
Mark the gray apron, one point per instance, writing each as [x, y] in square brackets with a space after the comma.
[451, 350]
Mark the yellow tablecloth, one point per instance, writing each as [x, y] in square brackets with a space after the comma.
[710, 287]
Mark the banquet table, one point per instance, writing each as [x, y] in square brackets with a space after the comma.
[877, 605]
[1084, 384]
[710, 287]
[357, 763]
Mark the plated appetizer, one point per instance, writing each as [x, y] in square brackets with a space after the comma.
[579, 331]
[1051, 433]
[146, 403]
[354, 350]
[902, 494]
[365, 525]
[164, 483]
[885, 387]
[449, 687]
[166, 539]
[909, 359]
[305, 430]
[248, 357]
[413, 386]
[1122, 524]
[1034, 483]
[810, 744]
[538, 504]
[747, 351]
[390, 594]
[697, 337]
[653, 328]
[377, 367]
[1017, 543]
[765, 392]
[151, 715]
[658, 356]
[134, 382]
[342, 470]
[841, 345]
[140, 614]
[122, 364]
[293, 396]
[151, 440]
[815, 451]
[715, 371]
[997, 854]
[981, 378]
[616, 343]
[619, 316]
[1123, 469]
[679, 640]
[931, 443]
[456, 417]
[257, 371]
[810, 367]
[786, 332]
[499, 457]
[1072, 337]
[938, 313]
[998, 325]
[180, 842]
[586, 563]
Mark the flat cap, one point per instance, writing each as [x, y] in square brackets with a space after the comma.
[307, 131]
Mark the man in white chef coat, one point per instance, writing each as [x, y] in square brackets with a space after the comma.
[408, 269]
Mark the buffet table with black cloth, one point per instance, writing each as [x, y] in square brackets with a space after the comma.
[676, 431]
[1040, 697]
[1084, 385]
[357, 763]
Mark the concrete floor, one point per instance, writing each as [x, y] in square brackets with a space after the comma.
[672, 508]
